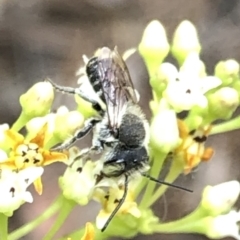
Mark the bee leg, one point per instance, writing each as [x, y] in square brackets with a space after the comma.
[120, 203]
[89, 124]
[83, 155]
[78, 91]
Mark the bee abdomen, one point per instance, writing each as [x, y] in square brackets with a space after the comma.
[92, 70]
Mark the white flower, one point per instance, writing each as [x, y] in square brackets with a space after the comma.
[13, 187]
[219, 199]
[80, 178]
[110, 199]
[3, 128]
[164, 129]
[187, 88]
[3, 156]
[224, 226]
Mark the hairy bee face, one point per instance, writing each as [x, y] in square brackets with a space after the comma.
[125, 161]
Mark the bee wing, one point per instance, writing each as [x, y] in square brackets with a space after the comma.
[116, 83]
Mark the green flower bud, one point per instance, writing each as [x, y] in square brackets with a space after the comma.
[236, 86]
[37, 101]
[154, 46]
[84, 107]
[67, 124]
[227, 71]
[223, 103]
[219, 199]
[185, 40]
[164, 129]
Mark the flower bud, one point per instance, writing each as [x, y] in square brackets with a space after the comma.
[154, 46]
[166, 72]
[223, 103]
[84, 107]
[222, 226]
[185, 40]
[192, 64]
[37, 101]
[227, 71]
[67, 124]
[219, 199]
[164, 129]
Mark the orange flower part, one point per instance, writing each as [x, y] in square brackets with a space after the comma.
[192, 149]
[89, 232]
[27, 153]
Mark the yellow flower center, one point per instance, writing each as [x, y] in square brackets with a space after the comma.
[27, 155]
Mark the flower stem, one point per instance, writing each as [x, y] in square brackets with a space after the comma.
[24, 230]
[226, 126]
[191, 223]
[65, 209]
[158, 161]
[20, 122]
[174, 172]
[3, 227]
[52, 142]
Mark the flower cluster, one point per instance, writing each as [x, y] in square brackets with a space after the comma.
[184, 90]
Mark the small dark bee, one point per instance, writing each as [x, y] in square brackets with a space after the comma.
[121, 131]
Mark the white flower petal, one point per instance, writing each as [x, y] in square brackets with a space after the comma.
[30, 174]
[220, 198]
[3, 128]
[225, 226]
[27, 197]
[13, 187]
[3, 156]
[209, 83]
[79, 180]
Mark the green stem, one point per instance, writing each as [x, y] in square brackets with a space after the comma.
[65, 209]
[52, 142]
[155, 170]
[3, 227]
[175, 170]
[197, 214]
[24, 230]
[20, 122]
[226, 126]
[140, 187]
[192, 223]
[191, 227]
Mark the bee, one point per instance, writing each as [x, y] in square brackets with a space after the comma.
[121, 131]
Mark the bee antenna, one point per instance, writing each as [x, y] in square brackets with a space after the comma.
[118, 206]
[165, 183]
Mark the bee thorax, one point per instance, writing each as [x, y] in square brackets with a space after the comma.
[132, 131]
